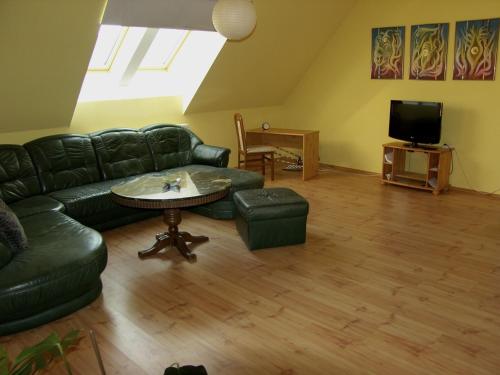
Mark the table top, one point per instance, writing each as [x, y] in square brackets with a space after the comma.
[282, 131]
[171, 190]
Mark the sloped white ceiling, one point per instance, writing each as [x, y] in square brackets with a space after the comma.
[174, 14]
[45, 50]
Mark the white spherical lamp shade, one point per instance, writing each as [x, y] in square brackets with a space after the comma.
[234, 19]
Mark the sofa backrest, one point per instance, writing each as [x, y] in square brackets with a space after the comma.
[18, 178]
[122, 153]
[63, 161]
[171, 145]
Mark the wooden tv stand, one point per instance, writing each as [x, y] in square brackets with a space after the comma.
[436, 174]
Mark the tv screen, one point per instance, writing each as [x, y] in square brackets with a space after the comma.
[415, 122]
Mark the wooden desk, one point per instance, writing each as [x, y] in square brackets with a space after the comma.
[305, 140]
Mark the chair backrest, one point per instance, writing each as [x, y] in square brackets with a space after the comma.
[240, 131]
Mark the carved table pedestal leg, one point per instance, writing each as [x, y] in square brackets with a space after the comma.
[172, 217]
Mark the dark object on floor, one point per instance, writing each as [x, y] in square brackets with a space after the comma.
[271, 217]
[185, 370]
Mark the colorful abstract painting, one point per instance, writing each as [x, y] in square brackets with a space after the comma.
[387, 52]
[476, 49]
[428, 51]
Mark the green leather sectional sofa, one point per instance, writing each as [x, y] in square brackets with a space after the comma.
[59, 187]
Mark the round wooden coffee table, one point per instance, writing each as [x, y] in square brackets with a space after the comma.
[172, 191]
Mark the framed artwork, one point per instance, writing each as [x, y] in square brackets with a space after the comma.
[428, 51]
[476, 49]
[387, 52]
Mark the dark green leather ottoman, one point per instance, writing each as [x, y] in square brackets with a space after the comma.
[271, 217]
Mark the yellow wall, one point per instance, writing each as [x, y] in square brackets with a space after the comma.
[337, 96]
[49, 44]
[94, 116]
[334, 95]
[216, 128]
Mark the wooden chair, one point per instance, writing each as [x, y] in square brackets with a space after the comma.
[252, 155]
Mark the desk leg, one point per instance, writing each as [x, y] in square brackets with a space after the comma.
[310, 152]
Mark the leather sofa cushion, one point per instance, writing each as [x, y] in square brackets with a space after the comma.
[220, 210]
[117, 217]
[5, 255]
[88, 200]
[18, 177]
[64, 161]
[171, 145]
[11, 231]
[122, 153]
[35, 205]
[63, 261]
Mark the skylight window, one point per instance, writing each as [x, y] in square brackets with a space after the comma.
[108, 42]
[140, 62]
[163, 49]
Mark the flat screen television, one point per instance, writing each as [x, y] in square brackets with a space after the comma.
[415, 122]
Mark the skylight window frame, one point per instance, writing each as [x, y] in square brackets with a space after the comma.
[189, 65]
[168, 64]
[114, 52]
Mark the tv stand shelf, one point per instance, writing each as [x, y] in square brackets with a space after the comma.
[436, 172]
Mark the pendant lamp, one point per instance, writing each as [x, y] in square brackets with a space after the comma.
[234, 19]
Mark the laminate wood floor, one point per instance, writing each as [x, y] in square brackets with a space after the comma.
[390, 281]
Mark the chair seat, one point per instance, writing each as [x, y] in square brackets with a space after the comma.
[260, 149]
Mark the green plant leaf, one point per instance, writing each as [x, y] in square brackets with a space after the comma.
[40, 361]
[39, 356]
[66, 364]
[71, 338]
[34, 351]
[24, 368]
[4, 361]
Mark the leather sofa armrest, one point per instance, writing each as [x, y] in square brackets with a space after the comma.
[5, 255]
[211, 155]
